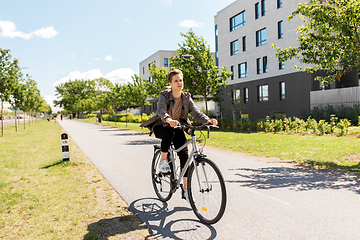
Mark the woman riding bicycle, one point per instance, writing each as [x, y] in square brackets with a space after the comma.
[173, 108]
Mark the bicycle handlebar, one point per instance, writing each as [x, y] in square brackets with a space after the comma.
[205, 125]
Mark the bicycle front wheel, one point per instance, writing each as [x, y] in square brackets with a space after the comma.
[161, 182]
[207, 192]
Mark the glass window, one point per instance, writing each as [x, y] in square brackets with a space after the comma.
[279, 3]
[257, 10]
[265, 65]
[235, 95]
[280, 30]
[242, 70]
[234, 47]
[258, 66]
[282, 90]
[281, 65]
[237, 21]
[246, 95]
[263, 93]
[232, 70]
[263, 8]
[244, 44]
[261, 37]
[143, 70]
[166, 62]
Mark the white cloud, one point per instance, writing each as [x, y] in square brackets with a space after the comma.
[72, 56]
[50, 101]
[8, 30]
[121, 75]
[168, 3]
[48, 32]
[127, 20]
[84, 51]
[97, 59]
[190, 24]
[108, 58]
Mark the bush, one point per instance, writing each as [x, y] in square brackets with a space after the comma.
[323, 127]
[343, 126]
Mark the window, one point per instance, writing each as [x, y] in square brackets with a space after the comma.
[261, 37]
[244, 44]
[166, 62]
[281, 65]
[235, 95]
[257, 10]
[265, 65]
[143, 70]
[242, 70]
[263, 8]
[232, 72]
[280, 30]
[237, 21]
[216, 46]
[279, 3]
[151, 79]
[258, 66]
[282, 90]
[234, 47]
[246, 95]
[263, 93]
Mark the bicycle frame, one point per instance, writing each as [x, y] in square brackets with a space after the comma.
[193, 155]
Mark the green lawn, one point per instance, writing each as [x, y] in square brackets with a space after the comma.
[327, 151]
[42, 197]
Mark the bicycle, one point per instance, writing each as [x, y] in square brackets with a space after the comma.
[206, 186]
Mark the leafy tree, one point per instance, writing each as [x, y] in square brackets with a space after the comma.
[103, 98]
[9, 69]
[126, 97]
[159, 80]
[18, 98]
[328, 40]
[201, 75]
[138, 90]
[30, 96]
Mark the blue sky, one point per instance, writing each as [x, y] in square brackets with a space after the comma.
[83, 39]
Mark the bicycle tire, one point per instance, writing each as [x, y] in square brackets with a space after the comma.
[161, 182]
[209, 202]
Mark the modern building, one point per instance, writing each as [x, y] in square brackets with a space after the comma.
[261, 86]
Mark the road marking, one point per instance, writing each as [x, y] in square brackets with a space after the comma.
[267, 196]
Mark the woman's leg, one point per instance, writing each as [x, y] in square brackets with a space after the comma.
[167, 135]
[178, 141]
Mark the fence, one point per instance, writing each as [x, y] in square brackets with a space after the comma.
[335, 97]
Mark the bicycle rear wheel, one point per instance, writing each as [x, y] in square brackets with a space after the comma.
[208, 200]
[161, 182]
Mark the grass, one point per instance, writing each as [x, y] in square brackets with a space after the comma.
[42, 197]
[327, 151]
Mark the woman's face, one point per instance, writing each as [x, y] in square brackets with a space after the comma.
[176, 83]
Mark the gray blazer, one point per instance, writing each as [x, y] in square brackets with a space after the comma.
[166, 103]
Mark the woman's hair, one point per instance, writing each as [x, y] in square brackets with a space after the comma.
[173, 73]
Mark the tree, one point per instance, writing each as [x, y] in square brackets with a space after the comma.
[8, 79]
[328, 40]
[159, 80]
[138, 90]
[125, 97]
[201, 75]
[18, 98]
[30, 96]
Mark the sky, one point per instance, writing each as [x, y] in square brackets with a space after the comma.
[85, 39]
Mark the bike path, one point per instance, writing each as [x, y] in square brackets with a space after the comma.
[266, 199]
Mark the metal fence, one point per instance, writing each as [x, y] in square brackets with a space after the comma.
[335, 97]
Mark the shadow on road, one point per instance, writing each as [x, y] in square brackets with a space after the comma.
[151, 210]
[143, 142]
[294, 179]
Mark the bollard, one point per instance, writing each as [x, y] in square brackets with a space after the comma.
[65, 147]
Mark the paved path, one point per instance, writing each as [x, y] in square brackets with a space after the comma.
[266, 199]
[9, 122]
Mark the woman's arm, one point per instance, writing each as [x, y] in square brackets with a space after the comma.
[161, 106]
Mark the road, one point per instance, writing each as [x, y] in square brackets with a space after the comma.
[267, 198]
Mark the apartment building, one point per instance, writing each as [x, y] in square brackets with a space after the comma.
[260, 85]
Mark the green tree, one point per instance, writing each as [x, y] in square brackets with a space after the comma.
[201, 75]
[18, 98]
[159, 80]
[329, 38]
[9, 69]
[126, 97]
[138, 90]
[31, 92]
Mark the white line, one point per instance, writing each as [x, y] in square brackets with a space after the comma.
[264, 195]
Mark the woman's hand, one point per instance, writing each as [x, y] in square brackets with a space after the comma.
[213, 122]
[173, 123]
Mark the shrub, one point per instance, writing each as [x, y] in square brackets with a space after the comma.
[343, 126]
[323, 127]
[278, 126]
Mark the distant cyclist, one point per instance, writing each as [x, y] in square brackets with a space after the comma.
[173, 107]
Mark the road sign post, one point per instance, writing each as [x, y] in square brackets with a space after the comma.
[65, 147]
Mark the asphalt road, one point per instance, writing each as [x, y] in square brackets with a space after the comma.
[266, 199]
[9, 122]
